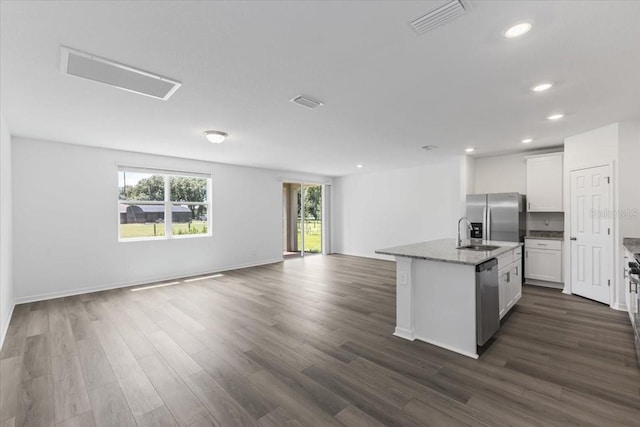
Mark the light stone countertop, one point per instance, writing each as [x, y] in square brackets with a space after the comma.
[445, 250]
[632, 244]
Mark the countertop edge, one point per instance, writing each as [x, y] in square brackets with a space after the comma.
[561, 239]
[432, 258]
[494, 254]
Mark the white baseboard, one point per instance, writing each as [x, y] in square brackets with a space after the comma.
[5, 325]
[367, 255]
[619, 306]
[544, 283]
[407, 334]
[449, 347]
[87, 290]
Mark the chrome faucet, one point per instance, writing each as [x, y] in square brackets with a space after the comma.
[468, 226]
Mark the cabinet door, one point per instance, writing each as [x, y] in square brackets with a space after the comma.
[515, 282]
[503, 283]
[542, 264]
[544, 183]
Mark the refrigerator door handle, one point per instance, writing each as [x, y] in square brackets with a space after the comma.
[488, 224]
[484, 223]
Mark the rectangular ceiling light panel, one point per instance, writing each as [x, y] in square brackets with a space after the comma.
[87, 66]
[306, 102]
[440, 15]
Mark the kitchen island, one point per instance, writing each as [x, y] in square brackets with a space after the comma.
[436, 290]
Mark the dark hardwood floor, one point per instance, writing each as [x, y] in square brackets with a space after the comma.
[307, 342]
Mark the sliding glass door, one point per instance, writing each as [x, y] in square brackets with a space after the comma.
[301, 219]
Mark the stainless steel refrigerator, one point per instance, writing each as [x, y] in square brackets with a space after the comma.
[497, 216]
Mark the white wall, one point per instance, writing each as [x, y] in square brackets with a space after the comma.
[594, 148]
[545, 221]
[6, 229]
[505, 173]
[66, 222]
[501, 174]
[628, 190]
[378, 210]
[629, 179]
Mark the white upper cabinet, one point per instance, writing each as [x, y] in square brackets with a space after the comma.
[544, 183]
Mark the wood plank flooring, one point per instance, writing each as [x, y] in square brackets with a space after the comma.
[307, 342]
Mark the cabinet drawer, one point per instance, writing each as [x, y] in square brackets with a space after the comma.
[555, 245]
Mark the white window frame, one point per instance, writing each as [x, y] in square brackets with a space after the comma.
[168, 214]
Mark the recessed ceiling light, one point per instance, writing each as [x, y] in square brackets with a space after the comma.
[359, 166]
[470, 150]
[555, 116]
[527, 140]
[518, 30]
[542, 87]
[215, 136]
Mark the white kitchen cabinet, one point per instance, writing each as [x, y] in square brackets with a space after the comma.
[544, 183]
[503, 281]
[543, 260]
[515, 283]
[509, 280]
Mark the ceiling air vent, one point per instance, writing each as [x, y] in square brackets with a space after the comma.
[429, 147]
[306, 102]
[440, 15]
[91, 67]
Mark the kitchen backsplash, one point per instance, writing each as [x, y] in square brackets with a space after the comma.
[546, 221]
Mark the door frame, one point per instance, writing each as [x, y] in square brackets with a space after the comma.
[612, 225]
[324, 208]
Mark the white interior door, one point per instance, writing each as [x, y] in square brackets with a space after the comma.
[590, 233]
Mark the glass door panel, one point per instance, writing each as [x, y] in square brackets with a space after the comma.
[312, 224]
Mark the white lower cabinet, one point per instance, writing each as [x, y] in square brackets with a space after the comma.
[516, 282]
[543, 260]
[509, 280]
[503, 280]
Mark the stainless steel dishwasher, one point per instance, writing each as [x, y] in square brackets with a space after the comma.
[487, 301]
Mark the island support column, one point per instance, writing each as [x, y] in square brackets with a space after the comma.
[404, 299]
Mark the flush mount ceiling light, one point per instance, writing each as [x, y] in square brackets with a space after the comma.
[215, 136]
[555, 116]
[359, 166]
[542, 87]
[527, 141]
[470, 150]
[518, 30]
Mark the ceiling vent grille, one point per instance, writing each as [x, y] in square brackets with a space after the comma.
[440, 15]
[429, 147]
[91, 67]
[306, 102]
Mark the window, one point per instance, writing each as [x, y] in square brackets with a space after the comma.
[155, 204]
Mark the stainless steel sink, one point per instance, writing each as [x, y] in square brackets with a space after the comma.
[479, 248]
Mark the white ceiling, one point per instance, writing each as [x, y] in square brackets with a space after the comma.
[387, 92]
